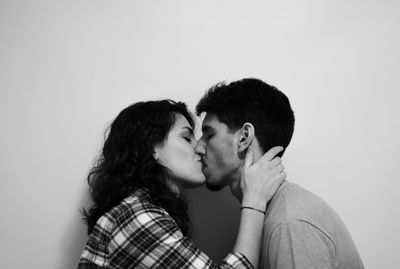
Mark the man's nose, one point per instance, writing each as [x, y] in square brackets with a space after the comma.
[200, 147]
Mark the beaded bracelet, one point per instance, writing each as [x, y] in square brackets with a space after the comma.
[252, 208]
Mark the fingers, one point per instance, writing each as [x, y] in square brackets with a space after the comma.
[249, 157]
[276, 161]
[270, 154]
[280, 179]
[280, 168]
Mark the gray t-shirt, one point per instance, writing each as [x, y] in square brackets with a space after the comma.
[302, 231]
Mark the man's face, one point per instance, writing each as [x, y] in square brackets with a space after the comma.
[218, 148]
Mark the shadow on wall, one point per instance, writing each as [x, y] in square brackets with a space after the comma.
[75, 237]
[215, 220]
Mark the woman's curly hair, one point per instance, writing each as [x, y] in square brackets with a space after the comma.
[127, 162]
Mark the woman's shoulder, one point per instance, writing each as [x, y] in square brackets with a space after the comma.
[136, 205]
[134, 212]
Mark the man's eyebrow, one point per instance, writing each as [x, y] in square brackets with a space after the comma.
[189, 129]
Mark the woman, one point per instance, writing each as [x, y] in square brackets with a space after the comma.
[139, 218]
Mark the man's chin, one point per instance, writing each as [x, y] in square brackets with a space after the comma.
[213, 187]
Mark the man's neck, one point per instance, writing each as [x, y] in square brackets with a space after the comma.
[235, 185]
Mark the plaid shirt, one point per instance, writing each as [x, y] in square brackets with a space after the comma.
[138, 234]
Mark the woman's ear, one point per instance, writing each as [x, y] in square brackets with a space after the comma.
[246, 135]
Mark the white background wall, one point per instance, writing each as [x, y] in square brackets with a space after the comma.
[68, 67]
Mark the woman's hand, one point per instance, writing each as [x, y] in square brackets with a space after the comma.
[260, 181]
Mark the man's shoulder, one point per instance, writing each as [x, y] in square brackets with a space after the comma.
[298, 220]
[294, 203]
[294, 194]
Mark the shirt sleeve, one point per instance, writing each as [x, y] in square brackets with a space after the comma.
[299, 245]
[152, 239]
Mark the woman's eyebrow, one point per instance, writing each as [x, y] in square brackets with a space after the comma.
[189, 129]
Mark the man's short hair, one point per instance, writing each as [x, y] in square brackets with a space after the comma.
[254, 101]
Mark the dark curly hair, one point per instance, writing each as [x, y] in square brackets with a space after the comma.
[252, 100]
[127, 163]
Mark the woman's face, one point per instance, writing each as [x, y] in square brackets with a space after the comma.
[178, 155]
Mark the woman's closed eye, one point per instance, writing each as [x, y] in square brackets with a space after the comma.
[188, 139]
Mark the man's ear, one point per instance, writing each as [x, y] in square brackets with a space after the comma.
[246, 135]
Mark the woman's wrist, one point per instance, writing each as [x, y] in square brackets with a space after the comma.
[259, 204]
[253, 209]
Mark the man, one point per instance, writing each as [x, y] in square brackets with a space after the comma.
[300, 229]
